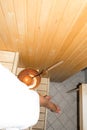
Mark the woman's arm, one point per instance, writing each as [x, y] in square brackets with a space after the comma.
[45, 102]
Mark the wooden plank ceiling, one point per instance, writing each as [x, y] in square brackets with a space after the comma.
[45, 32]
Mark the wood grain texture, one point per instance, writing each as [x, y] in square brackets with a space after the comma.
[9, 60]
[45, 32]
[83, 105]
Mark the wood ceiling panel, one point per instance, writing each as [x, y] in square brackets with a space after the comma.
[3, 28]
[9, 17]
[45, 32]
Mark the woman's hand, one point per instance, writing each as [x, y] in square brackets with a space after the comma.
[45, 102]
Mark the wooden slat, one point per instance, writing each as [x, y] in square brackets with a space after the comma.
[42, 109]
[9, 13]
[9, 60]
[44, 80]
[39, 125]
[7, 65]
[6, 56]
[15, 62]
[83, 106]
[37, 128]
[42, 117]
[43, 87]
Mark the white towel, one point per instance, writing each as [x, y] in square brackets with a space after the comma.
[19, 106]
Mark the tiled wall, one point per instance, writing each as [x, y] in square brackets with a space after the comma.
[67, 119]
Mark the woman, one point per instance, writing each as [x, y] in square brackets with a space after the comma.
[19, 106]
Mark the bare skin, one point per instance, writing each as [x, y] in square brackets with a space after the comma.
[45, 102]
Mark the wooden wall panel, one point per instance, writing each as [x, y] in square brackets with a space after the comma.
[45, 32]
[9, 60]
